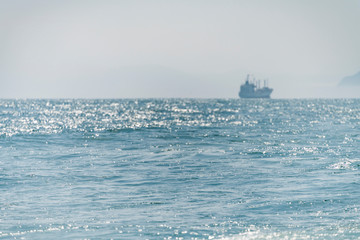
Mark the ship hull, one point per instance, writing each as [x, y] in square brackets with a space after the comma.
[254, 96]
[264, 94]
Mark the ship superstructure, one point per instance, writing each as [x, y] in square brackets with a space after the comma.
[254, 90]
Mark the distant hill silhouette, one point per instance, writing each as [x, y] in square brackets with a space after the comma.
[353, 80]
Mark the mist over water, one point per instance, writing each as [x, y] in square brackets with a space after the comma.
[180, 169]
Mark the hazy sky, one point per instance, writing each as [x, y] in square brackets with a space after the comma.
[187, 48]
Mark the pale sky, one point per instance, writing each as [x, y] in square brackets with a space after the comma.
[185, 48]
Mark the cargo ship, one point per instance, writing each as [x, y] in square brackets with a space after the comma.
[254, 90]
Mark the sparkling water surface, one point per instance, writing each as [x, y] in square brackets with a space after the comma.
[180, 169]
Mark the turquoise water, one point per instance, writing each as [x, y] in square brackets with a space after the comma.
[179, 169]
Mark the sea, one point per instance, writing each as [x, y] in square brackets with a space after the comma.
[180, 169]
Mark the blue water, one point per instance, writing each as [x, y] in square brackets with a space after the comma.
[179, 169]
